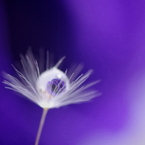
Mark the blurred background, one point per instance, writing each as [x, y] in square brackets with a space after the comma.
[106, 36]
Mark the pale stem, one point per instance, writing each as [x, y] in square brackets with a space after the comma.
[44, 113]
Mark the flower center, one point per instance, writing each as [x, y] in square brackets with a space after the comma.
[56, 86]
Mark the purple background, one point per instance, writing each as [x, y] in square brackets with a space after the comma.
[107, 36]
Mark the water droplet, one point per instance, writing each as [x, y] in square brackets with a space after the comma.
[56, 86]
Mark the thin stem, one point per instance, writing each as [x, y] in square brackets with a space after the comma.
[44, 113]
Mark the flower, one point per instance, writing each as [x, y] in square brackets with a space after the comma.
[51, 88]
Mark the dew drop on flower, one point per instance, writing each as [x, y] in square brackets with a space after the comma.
[56, 86]
[52, 82]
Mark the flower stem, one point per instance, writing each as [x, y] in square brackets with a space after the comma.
[44, 113]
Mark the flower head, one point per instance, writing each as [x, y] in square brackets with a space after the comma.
[51, 88]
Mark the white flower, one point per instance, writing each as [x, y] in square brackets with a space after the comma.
[51, 88]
